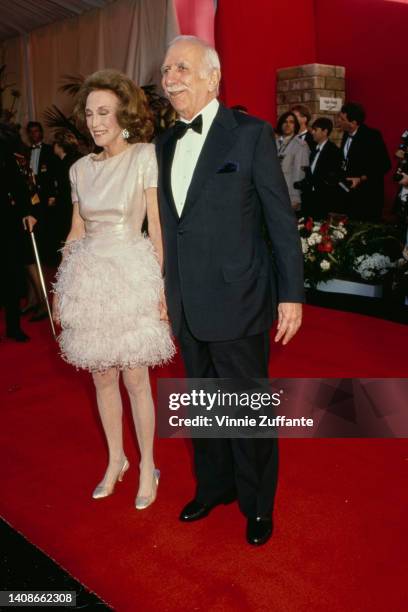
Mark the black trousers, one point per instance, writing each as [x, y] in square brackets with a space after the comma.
[13, 277]
[245, 466]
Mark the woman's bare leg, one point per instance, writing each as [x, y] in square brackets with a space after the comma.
[110, 410]
[137, 384]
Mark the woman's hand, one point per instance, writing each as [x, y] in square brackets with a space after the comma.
[55, 310]
[163, 307]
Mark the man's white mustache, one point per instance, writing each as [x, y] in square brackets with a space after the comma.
[171, 90]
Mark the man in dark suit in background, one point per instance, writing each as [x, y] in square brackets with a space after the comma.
[321, 195]
[365, 161]
[16, 214]
[219, 175]
[43, 163]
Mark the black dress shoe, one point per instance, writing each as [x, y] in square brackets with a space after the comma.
[196, 510]
[18, 336]
[259, 530]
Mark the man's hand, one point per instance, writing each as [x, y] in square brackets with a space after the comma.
[289, 320]
[354, 182]
[404, 180]
[29, 222]
[51, 201]
[163, 307]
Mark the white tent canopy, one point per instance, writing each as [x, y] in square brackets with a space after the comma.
[23, 16]
[129, 35]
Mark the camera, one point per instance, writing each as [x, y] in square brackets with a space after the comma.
[333, 179]
[403, 163]
[306, 184]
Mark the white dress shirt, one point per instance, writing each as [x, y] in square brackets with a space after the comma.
[347, 144]
[317, 155]
[187, 153]
[35, 158]
[404, 194]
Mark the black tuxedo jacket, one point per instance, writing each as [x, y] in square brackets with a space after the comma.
[308, 139]
[217, 264]
[367, 156]
[328, 166]
[325, 197]
[14, 194]
[47, 173]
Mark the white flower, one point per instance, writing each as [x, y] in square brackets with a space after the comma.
[305, 246]
[314, 238]
[325, 265]
[370, 266]
[338, 234]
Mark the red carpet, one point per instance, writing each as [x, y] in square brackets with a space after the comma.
[341, 514]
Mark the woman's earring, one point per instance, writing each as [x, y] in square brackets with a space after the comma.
[125, 134]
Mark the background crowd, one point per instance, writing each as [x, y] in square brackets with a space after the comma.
[35, 195]
[322, 179]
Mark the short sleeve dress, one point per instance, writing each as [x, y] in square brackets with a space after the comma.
[109, 283]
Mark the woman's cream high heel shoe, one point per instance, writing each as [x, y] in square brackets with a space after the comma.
[143, 502]
[103, 490]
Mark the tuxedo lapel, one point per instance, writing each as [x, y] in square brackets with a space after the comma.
[321, 160]
[219, 141]
[169, 148]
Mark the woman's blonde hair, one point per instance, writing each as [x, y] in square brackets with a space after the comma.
[133, 112]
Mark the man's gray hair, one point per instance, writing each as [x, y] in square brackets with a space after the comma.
[211, 58]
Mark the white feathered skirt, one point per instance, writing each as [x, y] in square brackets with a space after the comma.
[109, 289]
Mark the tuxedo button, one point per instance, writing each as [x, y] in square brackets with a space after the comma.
[180, 232]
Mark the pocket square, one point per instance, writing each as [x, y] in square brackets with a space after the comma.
[229, 166]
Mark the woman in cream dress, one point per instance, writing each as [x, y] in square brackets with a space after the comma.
[109, 292]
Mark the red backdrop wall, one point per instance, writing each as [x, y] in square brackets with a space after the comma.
[196, 17]
[368, 38]
[254, 38]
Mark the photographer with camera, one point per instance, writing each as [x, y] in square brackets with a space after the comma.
[320, 191]
[365, 162]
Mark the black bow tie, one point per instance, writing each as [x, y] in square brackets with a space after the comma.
[181, 128]
[36, 146]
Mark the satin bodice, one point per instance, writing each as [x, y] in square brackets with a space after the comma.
[111, 192]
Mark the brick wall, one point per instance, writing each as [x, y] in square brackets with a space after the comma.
[306, 85]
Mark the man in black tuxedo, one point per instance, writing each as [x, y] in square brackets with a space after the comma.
[43, 163]
[218, 176]
[321, 193]
[16, 214]
[365, 161]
